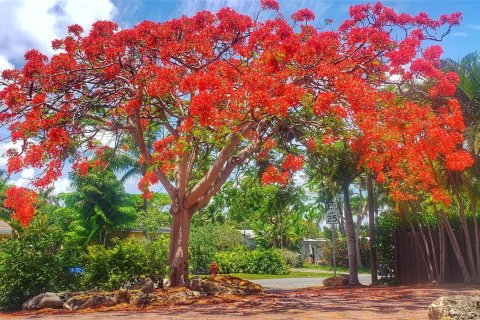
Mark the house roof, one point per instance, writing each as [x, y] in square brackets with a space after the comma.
[250, 234]
[311, 241]
[5, 228]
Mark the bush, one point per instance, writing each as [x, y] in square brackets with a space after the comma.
[341, 252]
[258, 261]
[206, 240]
[292, 258]
[34, 263]
[127, 261]
[386, 228]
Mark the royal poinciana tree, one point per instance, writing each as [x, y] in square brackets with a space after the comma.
[215, 89]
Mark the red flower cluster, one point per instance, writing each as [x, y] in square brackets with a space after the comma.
[145, 182]
[273, 175]
[303, 15]
[269, 4]
[293, 163]
[22, 202]
[458, 161]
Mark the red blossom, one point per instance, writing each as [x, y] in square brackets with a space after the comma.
[303, 15]
[269, 144]
[22, 202]
[273, 175]
[458, 161]
[293, 163]
[440, 195]
[269, 4]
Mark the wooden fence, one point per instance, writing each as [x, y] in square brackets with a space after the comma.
[410, 269]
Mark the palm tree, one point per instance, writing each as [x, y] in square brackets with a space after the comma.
[336, 168]
[468, 94]
[126, 163]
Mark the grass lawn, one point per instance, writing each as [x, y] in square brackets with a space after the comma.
[330, 268]
[248, 276]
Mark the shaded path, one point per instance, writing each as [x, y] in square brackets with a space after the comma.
[345, 303]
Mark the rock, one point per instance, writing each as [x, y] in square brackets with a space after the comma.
[90, 300]
[224, 285]
[122, 296]
[455, 308]
[338, 281]
[142, 298]
[42, 301]
[67, 295]
[148, 286]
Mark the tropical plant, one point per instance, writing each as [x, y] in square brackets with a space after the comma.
[33, 263]
[101, 203]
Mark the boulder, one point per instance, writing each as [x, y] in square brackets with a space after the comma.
[123, 296]
[42, 301]
[91, 300]
[338, 281]
[455, 308]
[224, 285]
[148, 286]
[142, 299]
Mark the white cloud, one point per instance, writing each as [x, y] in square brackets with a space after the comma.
[4, 147]
[459, 34]
[474, 26]
[34, 24]
[61, 185]
[4, 64]
[26, 176]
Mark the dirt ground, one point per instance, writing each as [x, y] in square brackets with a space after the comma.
[364, 303]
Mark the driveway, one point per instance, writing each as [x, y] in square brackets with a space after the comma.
[288, 284]
[363, 303]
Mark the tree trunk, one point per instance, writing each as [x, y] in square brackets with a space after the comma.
[443, 252]
[145, 205]
[467, 277]
[427, 249]
[178, 254]
[371, 228]
[466, 233]
[434, 255]
[422, 253]
[477, 241]
[357, 240]
[350, 234]
[341, 224]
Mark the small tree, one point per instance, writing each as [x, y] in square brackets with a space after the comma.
[101, 203]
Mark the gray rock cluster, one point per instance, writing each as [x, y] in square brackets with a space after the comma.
[143, 294]
[455, 308]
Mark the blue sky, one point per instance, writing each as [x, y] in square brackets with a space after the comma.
[462, 40]
[27, 24]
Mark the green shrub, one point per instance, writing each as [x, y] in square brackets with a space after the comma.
[341, 252]
[125, 262]
[206, 240]
[34, 263]
[386, 228]
[258, 261]
[292, 258]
